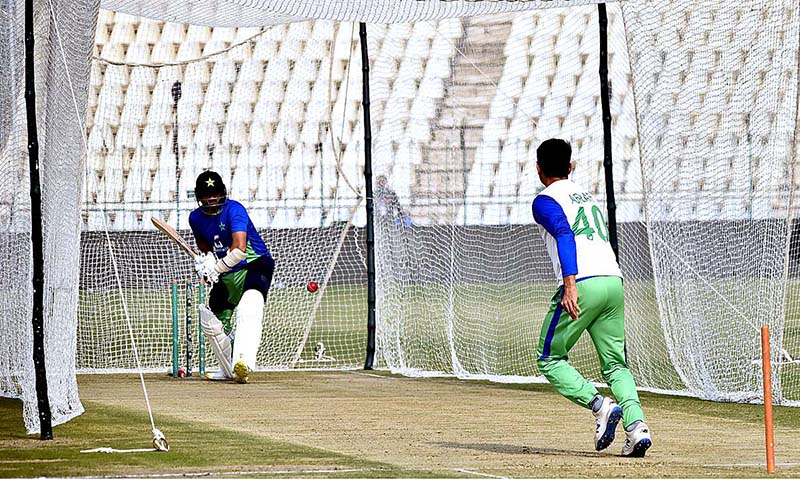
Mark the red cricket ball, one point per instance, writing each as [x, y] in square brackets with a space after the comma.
[181, 373]
[312, 287]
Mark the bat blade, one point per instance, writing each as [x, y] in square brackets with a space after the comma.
[173, 235]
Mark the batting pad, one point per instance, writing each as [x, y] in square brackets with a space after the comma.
[249, 317]
[215, 333]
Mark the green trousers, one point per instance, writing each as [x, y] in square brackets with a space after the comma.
[602, 314]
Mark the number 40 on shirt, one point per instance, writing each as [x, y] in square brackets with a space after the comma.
[581, 226]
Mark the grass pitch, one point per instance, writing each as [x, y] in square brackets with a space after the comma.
[367, 424]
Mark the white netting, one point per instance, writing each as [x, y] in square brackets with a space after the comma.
[238, 13]
[459, 106]
[716, 91]
[463, 291]
[266, 109]
[60, 155]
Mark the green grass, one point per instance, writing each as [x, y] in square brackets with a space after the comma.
[196, 448]
[502, 318]
[379, 425]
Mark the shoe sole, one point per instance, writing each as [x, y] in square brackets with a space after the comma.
[240, 372]
[640, 448]
[611, 427]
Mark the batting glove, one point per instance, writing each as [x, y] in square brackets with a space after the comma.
[204, 266]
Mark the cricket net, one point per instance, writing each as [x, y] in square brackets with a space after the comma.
[704, 124]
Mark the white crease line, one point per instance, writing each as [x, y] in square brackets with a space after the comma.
[464, 470]
[756, 464]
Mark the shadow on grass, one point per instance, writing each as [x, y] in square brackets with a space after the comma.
[517, 449]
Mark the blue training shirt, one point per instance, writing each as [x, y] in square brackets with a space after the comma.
[549, 214]
[217, 230]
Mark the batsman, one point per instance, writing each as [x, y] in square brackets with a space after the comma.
[239, 266]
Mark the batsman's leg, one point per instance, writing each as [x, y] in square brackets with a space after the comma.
[249, 318]
[214, 331]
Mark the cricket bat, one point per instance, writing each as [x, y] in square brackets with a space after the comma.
[174, 235]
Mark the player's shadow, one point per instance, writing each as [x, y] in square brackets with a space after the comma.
[518, 449]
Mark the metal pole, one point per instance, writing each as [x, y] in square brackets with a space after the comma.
[463, 144]
[37, 235]
[362, 33]
[605, 94]
[176, 95]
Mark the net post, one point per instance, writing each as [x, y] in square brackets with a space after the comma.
[362, 33]
[174, 329]
[767, 372]
[37, 236]
[608, 163]
[201, 298]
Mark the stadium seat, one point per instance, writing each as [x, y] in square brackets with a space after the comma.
[270, 180]
[310, 134]
[252, 72]
[189, 50]
[112, 185]
[163, 52]
[266, 111]
[127, 136]
[291, 48]
[173, 33]
[198, 33]
[149, 31]
[294, 184]
[311, 217]
[286, 131]
[213, 111]
[260, 133]
[240, 111]
[521, 126]
[101, 34]
[164, 181]
[138, 181]
[297, 91]
[97, 219]
[235, 134]
[101, 138]
[153, 135]
[265, 49]
[323, 30]
[122, 34]
[218, 92]
[206, 135]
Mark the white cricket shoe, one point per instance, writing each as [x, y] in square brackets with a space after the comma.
[607, 419]
[240, 371]
[638, 441]
[219, 375]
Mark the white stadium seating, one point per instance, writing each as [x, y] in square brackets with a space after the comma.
[274, 109]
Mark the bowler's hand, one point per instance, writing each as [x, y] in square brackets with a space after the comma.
[569, 301]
